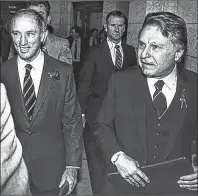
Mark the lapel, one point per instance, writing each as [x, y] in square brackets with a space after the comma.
[142, 96]
[125, 63]
[181, 91]
[44, 85]
[107, 55]
[18, 95]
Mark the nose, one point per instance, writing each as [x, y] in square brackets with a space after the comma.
[116, 28]
[23, 40]
[145, 53]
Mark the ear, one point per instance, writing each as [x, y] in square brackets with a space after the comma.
[124, 28]
[43, 36]
[178, 54]
[105, 27]
[49, 19]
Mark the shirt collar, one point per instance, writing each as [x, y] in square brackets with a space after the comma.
[170, 80]
[35, 63]
[112, 45]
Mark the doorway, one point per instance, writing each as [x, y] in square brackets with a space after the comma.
[88, 15]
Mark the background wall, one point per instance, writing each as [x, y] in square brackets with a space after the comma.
[135, 10]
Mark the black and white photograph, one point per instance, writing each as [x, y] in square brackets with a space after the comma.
[99, 97]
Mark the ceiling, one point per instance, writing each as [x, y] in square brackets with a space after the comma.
[88, 6]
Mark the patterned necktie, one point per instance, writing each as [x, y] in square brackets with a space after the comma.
[118, 60]
[29, 95]
[159, 99]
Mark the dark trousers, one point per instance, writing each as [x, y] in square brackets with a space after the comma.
[76, 70]
[96, 163]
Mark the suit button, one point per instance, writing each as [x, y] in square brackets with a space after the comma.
[157, 133]
[156, 146]
[158, 124]
[145, 162]
[154, 157]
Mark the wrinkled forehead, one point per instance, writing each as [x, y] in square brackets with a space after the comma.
[25, 21]
[115, 20]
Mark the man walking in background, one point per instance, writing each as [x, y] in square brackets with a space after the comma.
[100, 61]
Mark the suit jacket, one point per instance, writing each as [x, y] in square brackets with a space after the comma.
[14, 175]
[52, 140]
[95, 74]
[57, 47]
[5, 44]
[122, 125]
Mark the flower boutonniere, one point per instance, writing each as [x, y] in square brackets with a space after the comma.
[183, 98]
[54, 75]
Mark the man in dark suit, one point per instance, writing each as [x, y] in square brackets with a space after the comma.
[149, 114]
[100, 61]
[78, 46]
[45, 107]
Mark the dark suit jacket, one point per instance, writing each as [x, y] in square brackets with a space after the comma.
[95, 74]
[53, 139]
[121, 124]
[84, 46]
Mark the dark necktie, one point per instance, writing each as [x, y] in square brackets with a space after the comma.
[29, 95]
[75, 49]
[118, 60]
[159, 99]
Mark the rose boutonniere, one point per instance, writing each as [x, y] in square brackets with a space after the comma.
[54, 75]
[183, 98]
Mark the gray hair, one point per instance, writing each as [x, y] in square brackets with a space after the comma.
[28, 12]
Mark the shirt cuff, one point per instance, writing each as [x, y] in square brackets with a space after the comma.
[114, 158]
[72, 167]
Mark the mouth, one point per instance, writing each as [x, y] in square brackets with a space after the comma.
[146, 63]
[24, 49]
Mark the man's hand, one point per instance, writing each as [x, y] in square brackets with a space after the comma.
[189, 182]
[128, 169]
[83, 120]
[70, 175]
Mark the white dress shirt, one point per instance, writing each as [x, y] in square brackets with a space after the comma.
[113, 50]
[78, 42]
[36, 72]
[169, 90]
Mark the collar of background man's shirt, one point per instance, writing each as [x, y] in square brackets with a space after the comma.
[112, 45]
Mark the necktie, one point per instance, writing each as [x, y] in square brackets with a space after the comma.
[75, 49]
[118, 60]
[29, 95]
[159, 99]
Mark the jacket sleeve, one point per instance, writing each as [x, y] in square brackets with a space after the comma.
[14, 174]
[105, 124]
[72, 124]
[65, 52]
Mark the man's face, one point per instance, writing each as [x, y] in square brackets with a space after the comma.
[41, 9]
[115, 29]
[74, 34]
[156, 54]
[27, 37]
